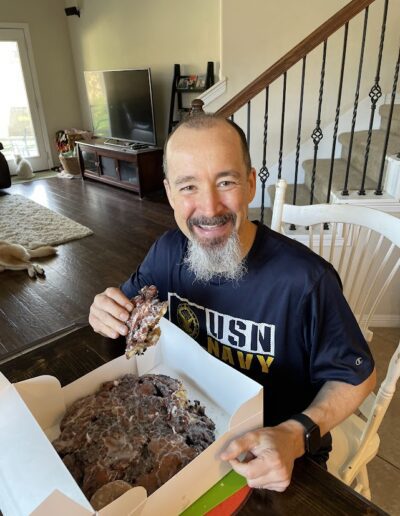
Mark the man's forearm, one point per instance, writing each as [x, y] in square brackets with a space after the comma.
[337, 400]
[276, 448]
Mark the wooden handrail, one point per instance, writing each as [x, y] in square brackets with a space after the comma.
[293, 56]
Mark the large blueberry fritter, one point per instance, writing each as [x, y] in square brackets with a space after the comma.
[141, 430]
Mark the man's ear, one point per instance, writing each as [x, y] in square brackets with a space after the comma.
[168, 191]
[252, 179]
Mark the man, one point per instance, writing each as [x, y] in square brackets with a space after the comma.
[254, 299]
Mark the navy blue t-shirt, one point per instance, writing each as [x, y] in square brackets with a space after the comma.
[286, 324]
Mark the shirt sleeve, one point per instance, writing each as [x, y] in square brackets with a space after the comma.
[336, 346]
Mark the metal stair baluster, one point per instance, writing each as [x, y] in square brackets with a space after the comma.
[374, 95]
[282, 127]
[355, 108]
[339, 100]
[317, 134]
[378, 190]
[264, 173]
[298, 141]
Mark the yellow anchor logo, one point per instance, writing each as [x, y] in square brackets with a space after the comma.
[187, 320]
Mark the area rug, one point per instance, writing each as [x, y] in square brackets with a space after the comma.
[38, 175]
[30, 224]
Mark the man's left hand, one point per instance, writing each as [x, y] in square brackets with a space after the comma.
[273, 451]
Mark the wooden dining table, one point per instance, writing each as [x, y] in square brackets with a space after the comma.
[77, 350]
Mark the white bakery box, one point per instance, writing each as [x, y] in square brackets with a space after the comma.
[34, 480]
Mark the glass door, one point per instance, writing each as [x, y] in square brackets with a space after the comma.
[90, 163]
[22, 128]
[129, 172]
[108, 167]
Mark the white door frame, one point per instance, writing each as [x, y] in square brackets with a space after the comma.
[35, 84]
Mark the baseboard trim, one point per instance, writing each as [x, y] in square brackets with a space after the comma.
[385, 321]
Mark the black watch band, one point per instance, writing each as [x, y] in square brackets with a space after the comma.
[312, 436]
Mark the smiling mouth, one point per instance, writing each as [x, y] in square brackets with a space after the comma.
[211, 223]
[214, 228]
[209, 226]
[218, 220]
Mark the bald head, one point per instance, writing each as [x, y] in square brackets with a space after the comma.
[204, 121]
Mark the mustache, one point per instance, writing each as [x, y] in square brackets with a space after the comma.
[217, 220]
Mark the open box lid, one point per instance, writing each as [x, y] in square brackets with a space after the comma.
[30, 469]
[32, 475]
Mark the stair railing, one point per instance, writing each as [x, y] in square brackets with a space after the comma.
[298, 56]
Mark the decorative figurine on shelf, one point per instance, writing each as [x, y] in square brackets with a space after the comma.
[187, 82]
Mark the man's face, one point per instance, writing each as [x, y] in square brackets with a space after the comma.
[208, 185]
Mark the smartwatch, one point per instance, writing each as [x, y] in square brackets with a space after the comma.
[312, 435]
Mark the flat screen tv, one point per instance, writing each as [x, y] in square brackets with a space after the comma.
[121, 105]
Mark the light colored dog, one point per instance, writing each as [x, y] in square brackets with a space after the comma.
[15, 257]
[24, 168]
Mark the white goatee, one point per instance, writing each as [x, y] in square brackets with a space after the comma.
[221, 260]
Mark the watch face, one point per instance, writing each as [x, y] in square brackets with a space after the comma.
[313, 439]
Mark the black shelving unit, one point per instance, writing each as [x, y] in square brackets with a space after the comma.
[177, 106]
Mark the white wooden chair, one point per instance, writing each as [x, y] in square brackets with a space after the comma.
[363, 244]
[356, 440]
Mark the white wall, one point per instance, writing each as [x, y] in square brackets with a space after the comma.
[136, 34]
[53, 60]
[257, 33]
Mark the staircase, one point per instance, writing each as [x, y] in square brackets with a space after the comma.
[326, 179]
[357, 159]
[323, 166]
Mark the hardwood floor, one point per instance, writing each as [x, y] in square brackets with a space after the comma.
[124, 226]
[67, 358]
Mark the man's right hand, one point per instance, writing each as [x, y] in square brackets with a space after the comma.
[109, 312]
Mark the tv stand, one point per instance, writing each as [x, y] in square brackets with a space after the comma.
[138, 169]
